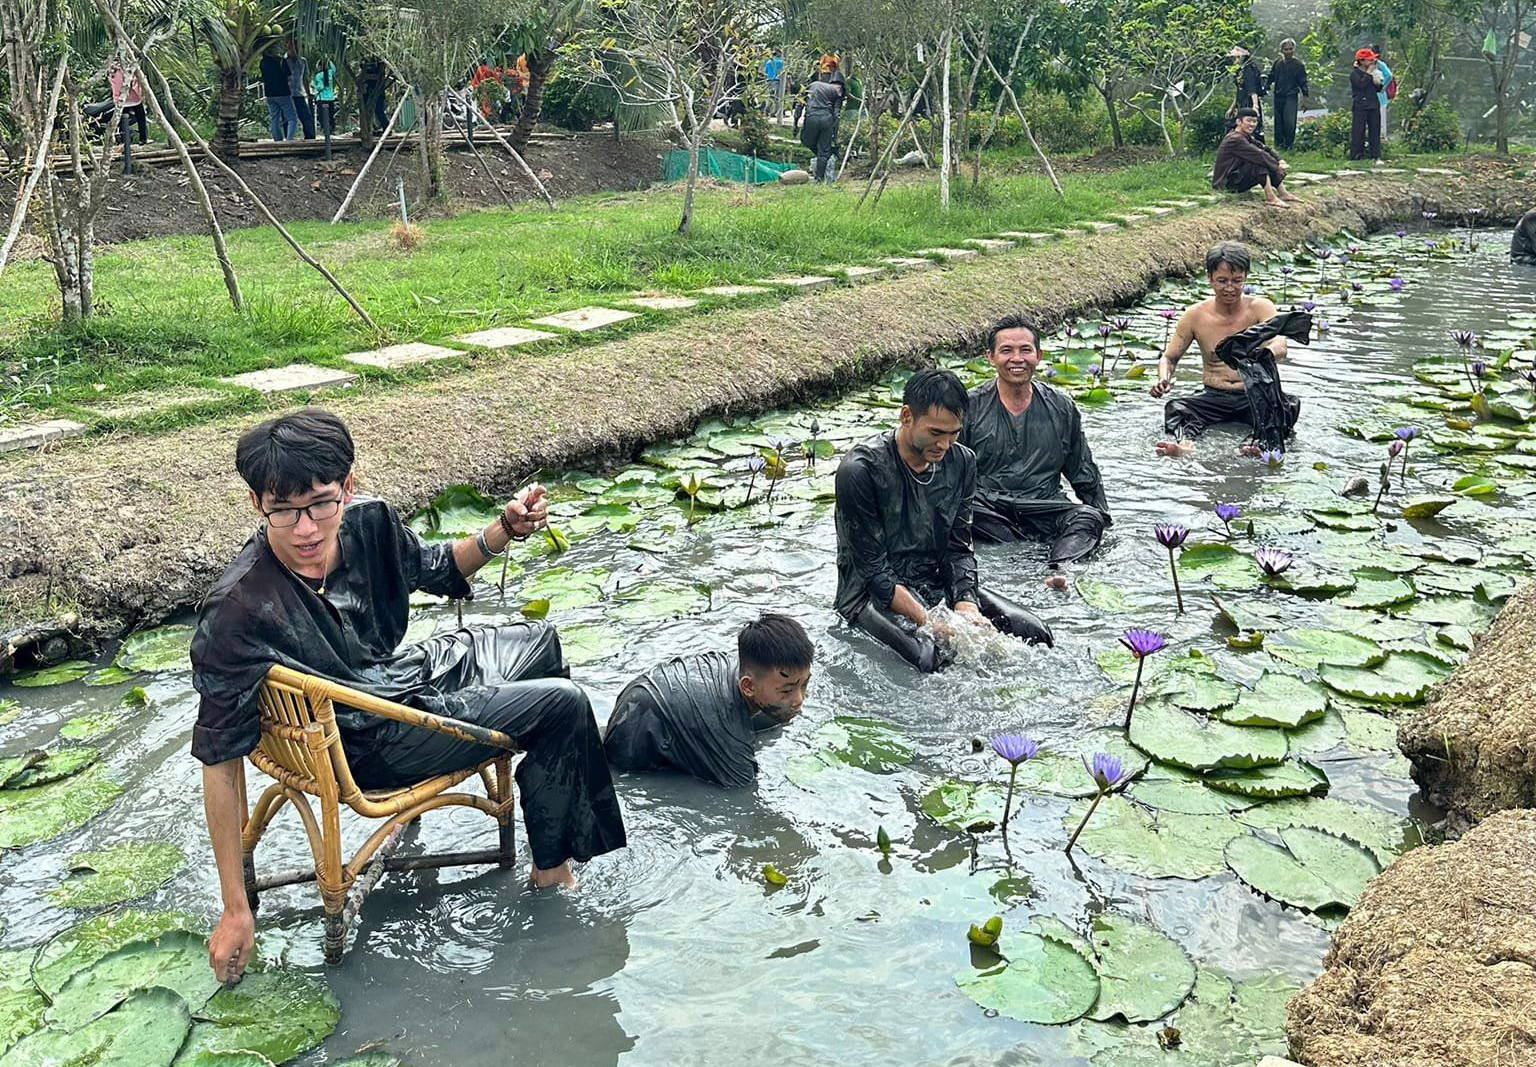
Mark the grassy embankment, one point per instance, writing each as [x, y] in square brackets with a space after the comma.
[165, 327]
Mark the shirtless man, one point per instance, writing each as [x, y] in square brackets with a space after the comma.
[1227, 312]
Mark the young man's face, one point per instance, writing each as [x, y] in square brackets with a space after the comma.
[931, 433]
[1014, 356]
[305, 540]
[776, 692]
[1247, 124]
[1227, 283]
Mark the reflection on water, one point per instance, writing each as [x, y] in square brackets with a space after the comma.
[675, 951]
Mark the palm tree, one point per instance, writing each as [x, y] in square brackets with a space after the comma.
[552, 24]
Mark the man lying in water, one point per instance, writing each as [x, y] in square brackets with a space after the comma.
[1027, 436]
[1228, 311]
[698, 714]
[903, 518]
[322, 587]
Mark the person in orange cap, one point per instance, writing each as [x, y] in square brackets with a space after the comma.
[1365, 82]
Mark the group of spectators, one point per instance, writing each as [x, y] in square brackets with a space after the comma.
[297, 99]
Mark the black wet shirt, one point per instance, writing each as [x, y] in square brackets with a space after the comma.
[896, 527]
[1245, 353]
[260, 613]
[1250, 83]
[1288, 77]
[686, 714]
[1022, 458]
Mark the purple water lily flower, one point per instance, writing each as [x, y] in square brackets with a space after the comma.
[1048, 371]
[1171, 536]
[1529, 375]
[1478, 367]
[1357, 286]
[1308, 305]
[1107, 772]
[755, 464]
[1395, 449]
[1226, 513]
[1141, 644]
[1287, 271]
[1465, 338]
[1429, 246]
[1016, 749]
[1353, 248]
[1273, 561]
[1272, 456]
[1406, 433]
[1168, 313]
[1322, 325]
[1071, 331]
[1093, 370]
[1104, 329]
[1120, 322]
[1395, 284]
[1325, 253]
[1402, 233]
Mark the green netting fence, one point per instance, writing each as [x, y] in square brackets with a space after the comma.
[717, 163]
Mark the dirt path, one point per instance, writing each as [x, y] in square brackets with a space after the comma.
[115, 532]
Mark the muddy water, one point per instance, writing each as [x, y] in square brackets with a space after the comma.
[675, 951]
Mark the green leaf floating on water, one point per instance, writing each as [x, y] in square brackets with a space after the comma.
[1312, 648]
[1218, 564]
[1044, 980]
[1202, 692]
[279, 1013]
[1376, 588]
[68, 671]
[90, 727]
[653, 601]
[118, 873]
[56, 766]
[1101, 596]
[589, 642]
[851, 741]
[204, 1058]
[1474, 485]
[21, 1002]
[1402, 678]
[1143, 973]
[1313, 870]
[1278, 700]
[566, 588]
[1293, 778]
[1061, 772]
[44, 811]
[1384, 834]
[1181, 792]
[961, 805]
[1196, 743]
[13, 767]
[145, 1030]
[165, 648]
[176, 960]
[78, 947]
[1426, 507]
[1449, 611]
[1154, 844]
[9, 710]
[109, 676]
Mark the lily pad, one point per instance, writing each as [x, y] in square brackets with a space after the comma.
[13, 767]
[109, 676]
[1062, 772]
[1312, 869]
[1278, 700]
[1293, 778]
[90, 727]
[565, 588]
[1218, 564]
[1312, 648]
[1165, 733]
[82, 945]
[176, 960]
[1320, 735]
[146, 1030]
[1375, 588]
[68, 671]
[9, 710]
[278, 1013]
[44, 811]
[962, 805]
[1385, 834]
[204, 1058]
[1101, 596]
[1044, 980]
[21, 1002]
[1184, 796]
[589, 642]
[1474, 485]
[850, 741]
[653, 601]
[117, 874]
[1402, 678]
[165, 648]
[1426, 507]
[1449, 611]
[1202, 692]
[1143, 973]
[1154, 844]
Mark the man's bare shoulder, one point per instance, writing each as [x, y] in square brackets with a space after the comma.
[1196, 314]
[1259, 309]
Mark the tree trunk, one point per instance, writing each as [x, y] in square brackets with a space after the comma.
[686, 221]
[226, 134]
[430, 110]
[944, 148]
[1107, 91]
[540, 64]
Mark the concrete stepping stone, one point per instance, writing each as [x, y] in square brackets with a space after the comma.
[1209, 198]
[1179, 203]
[733, 290]
[992, 244]
[909, 263]
[1436, 170]
[800, 281]
[1133, 218]
[662, 303]
[503, 337]
[37, 434]
[587, 318]
[1095, 225]
[950, 253]
[392, 357]
[1158, 210]
[291, 379]
[855, 272]
[1026, 235]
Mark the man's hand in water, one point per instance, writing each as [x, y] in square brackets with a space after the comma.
[229, 947]
[528, 511]
[1174, 448]
[972, 614]
[1160, 387]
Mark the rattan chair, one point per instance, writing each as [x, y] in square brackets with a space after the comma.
[301, 749]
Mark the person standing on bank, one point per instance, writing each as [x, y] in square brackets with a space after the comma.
[823, 101]
[1387, 90]
[1250, 90]
[282, 119]
[324, 85]
[298, 88]
[903, 520]
[1288, 82]
[1365, 81]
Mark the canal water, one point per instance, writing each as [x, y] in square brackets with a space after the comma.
[677, 950]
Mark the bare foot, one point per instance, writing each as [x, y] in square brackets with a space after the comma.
[555, 876]
[1174, 448]
[1248, 450]
[1292, 197]
[1276, 203]
[1056, 581]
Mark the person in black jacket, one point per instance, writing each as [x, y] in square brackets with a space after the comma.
[1522, 246]
[1288, 82]
[1242, 163]
[1365, 107]
[1250, 90]
[904, 543]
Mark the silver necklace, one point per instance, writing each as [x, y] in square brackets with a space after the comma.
[932, 470]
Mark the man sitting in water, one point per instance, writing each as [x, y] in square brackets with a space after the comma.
[1229, 310]
[903, 517]
[1027, 436]
[1522, 245]
[322, 587]
[697, 714]
[1243, 163]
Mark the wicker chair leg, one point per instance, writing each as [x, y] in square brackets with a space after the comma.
[335, 935]
[507, 827]
[252, 896]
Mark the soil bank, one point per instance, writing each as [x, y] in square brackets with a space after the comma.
[111, 533]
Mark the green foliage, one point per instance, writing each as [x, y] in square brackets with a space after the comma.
[1066, 124]
[1432, 128]
[575, 105]
[1328, 135]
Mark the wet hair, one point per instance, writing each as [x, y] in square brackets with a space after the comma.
[1233, 253]
[936, 388]
[288, 455]
[774, 642]
[1246, 113]
[1012, 322]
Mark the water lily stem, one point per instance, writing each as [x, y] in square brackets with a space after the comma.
[1135, 688]
[1008, 801]
[1086, 816]
[1178, 593]
[750, 483]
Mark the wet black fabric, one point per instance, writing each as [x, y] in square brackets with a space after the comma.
[1272, 413]
[1020, 462]
[819, 134]
[1190, 416]
[686, 714]
[1522, 246]
[926, 654]
[895, 527]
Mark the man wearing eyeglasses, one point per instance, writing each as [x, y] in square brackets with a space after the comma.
[322, 586]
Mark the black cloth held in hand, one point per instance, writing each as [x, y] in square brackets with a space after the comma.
[1272, 413]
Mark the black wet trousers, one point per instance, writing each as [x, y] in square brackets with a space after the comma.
[820, 136]
[1073, 530]
[513, 678]
[1245, 176]
[1285, 121]
[1188, 417]
[1365, 133]
[924, 653]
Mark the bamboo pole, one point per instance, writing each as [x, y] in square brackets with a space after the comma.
[890, 148]
[24, 195]
[377, 145]
[521, 162]
[470, 141]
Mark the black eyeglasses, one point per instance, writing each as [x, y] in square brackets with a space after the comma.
[319, 511]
